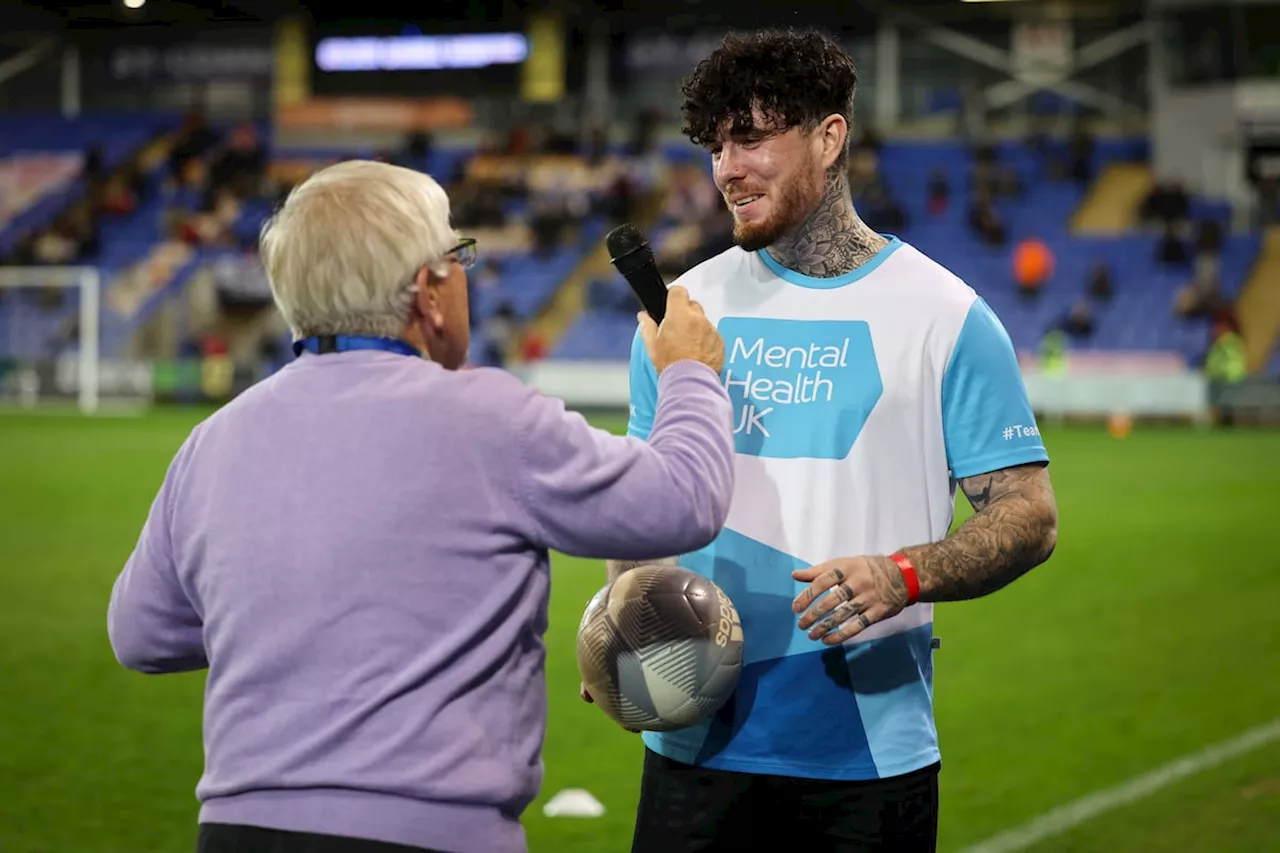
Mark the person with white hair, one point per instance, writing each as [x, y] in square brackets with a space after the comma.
[357, 547]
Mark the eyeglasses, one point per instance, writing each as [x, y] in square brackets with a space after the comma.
[464, 253]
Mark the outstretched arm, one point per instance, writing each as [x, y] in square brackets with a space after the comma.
[644, 405]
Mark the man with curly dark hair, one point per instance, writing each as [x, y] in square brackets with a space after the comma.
[868, 382]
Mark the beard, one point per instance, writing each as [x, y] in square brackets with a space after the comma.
[791, 206]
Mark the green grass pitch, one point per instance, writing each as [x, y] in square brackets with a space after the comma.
[1151, 634]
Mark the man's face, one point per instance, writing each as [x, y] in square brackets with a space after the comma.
[770, 179]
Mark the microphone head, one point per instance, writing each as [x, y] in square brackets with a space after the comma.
[624, 240]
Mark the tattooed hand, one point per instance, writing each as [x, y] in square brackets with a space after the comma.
[860, 591]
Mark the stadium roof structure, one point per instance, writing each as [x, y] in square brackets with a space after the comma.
[860, 14]
[105, 14]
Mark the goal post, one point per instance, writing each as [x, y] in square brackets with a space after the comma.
[47, 315]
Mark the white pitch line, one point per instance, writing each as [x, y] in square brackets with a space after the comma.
[1063, 818]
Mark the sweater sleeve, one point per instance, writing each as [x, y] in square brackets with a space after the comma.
[152, 625]
[593, 494]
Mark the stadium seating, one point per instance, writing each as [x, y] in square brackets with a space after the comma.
[1139, 317]
[46, 156]
[141, 265]
[53, 186]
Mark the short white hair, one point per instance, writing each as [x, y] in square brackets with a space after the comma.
[342, 251]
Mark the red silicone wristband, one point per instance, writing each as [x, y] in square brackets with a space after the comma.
[909, 575]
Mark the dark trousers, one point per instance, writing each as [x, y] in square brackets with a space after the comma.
[230, 838]
[685, 809]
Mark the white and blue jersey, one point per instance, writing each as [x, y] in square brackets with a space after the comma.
[858, 402]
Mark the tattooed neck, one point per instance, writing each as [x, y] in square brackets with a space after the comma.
[833, 240]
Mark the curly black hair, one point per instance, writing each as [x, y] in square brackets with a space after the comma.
[795, 77]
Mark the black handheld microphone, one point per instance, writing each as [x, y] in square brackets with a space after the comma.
[630, 255]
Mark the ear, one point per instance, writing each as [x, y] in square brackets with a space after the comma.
[831, 136]
[426, 305]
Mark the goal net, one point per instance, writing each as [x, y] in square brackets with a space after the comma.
[50, 325]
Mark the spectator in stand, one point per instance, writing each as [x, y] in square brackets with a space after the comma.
[497, 333]
[533, 346]
[1209, 241]
[982, 162]
[985, 223]
[194, 139]
[242, 166]
[1033, 265]
[1006, 181]
[863, 169]
[692, 196]
[1171, 251]
[991, 176]
[1078, 322]
[416, 153]
[1202, 296]
[621, 198]
[1082, 147]
[880, 210]
[1168, 209]
[1168, 204]
[1100, 285]
[56, 246]
[868, 189]
[94, 168]
[939, 193]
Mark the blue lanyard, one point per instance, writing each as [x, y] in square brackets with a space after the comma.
[321, 344]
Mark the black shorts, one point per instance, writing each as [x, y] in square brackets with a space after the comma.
[686, 809]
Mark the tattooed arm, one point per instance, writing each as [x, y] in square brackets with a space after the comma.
[615, 568]
[1014, 529]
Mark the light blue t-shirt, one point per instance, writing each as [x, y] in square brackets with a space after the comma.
[858, 403]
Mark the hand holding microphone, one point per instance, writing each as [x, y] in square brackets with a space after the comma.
[673, 326]
[686, 333]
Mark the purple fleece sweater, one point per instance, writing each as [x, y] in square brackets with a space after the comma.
[356, 548]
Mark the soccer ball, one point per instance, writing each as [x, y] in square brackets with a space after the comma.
[660, 648]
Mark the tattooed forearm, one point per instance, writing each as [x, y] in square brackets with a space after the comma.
[1014, 529]
[833, 240]
[615, 568]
